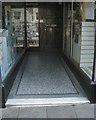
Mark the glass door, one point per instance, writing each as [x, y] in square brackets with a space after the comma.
[32, 27]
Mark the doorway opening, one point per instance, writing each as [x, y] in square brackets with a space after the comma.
[44, 74]
[51, 21]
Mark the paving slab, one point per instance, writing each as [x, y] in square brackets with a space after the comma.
[95, 111]
[84, 111]
[78, 112]
[61, 112]
[10, 113]
[0, 114]
[9, 119]
[34, 112]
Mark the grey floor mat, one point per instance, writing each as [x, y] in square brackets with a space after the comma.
[45, 74]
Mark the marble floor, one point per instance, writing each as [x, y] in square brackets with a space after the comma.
[45, 74]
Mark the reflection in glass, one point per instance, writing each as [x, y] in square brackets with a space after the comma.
[95, 70]
[12, 37]
[87, 39]
[18, 26]
[32, 27]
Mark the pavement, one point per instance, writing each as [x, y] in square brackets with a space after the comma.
[74, 112]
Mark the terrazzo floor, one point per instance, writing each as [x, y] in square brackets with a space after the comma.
[45, 74]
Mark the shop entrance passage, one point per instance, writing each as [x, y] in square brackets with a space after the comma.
[43, 73]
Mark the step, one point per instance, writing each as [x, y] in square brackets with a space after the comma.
[47, 101]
